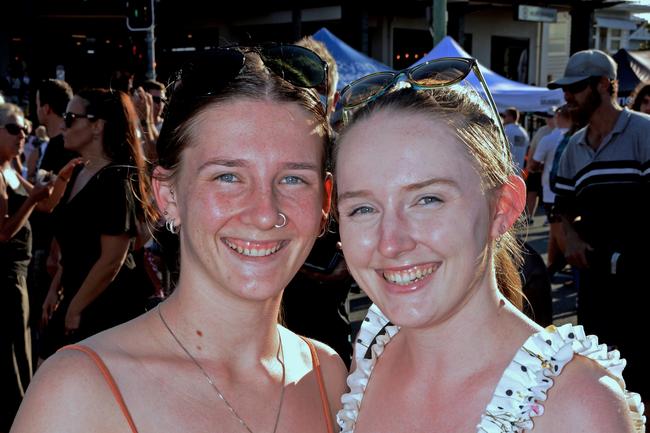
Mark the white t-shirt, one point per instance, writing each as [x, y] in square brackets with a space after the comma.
[544, 154]
[518, 139]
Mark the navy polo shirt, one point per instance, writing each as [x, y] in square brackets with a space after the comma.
[608, 188]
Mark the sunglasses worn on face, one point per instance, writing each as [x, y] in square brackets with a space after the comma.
[207, 76]
[69, 118]
[158, 99]
[445, 71]
[15, 129]
[580, 85]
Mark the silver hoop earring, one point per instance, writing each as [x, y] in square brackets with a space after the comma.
[284, 221]
[170, 224]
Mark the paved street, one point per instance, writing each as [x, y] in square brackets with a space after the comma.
[564, 290]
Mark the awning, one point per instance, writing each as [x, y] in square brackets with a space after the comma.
[613, 23]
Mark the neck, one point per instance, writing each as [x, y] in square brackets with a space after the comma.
[235, 330]
[486, 325]
[94, 157]
[604, 118]
[54, 125]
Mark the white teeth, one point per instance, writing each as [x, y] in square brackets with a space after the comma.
[253, 252]
[407, 277]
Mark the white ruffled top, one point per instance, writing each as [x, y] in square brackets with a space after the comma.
[521, 390]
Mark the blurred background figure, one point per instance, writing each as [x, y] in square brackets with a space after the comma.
[534, 178]
[18, 198]
[35, 146]
[517, 136]
[641, 98]
[542, 162]
[99, 282]
[52, 98]
[157, 92]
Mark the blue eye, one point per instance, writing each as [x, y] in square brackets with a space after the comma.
[227, 177]
[292, 180]
[361, 210]
[429, 200]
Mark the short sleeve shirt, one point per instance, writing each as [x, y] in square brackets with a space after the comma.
[518, 139]
[608, 187]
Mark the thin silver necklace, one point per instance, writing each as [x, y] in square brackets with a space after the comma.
[214, 385]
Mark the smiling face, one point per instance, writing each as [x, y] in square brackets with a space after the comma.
[247, 162]
[414, 219]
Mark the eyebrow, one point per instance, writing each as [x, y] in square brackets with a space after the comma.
[410, 187]
[244, 163]
[432, 181]
[224, 162]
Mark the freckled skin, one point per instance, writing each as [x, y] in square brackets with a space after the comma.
[442, 226]
[238, 199]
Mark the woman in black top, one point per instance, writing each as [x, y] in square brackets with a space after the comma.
[96, 225]
[18, 198]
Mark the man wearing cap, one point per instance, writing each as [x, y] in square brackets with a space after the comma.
[603, 198]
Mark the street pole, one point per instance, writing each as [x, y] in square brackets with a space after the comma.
[150, 39]
[151, 51]
[439, 20]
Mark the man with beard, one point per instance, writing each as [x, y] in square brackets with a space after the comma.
[603, 198]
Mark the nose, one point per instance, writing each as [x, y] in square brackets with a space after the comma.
[264, 211]
[394, 236]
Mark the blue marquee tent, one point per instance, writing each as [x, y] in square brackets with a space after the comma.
[351, 63]
[506, 93]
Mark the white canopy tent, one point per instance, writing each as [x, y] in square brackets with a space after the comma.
[506, 93]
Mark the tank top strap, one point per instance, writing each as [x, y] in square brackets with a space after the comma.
[321, 386]
[108, 377]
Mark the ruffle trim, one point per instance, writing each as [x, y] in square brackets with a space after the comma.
[375, 327]
[525, 383]
[521, 389]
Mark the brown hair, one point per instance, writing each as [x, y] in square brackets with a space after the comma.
[120, 141]
[206, 85]
[641, 91]
[484, 143]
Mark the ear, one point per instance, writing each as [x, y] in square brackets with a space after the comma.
[510, 203]
[47, 110]
[164, 192]
[327, 197]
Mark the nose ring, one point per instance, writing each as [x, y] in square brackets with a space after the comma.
[284, 221]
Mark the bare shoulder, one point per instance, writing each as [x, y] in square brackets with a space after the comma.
[68, 394]
[334, 374]
[331, 363]
[585, 398]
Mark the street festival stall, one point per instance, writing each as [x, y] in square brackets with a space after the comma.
[633, 68]
[506, 93]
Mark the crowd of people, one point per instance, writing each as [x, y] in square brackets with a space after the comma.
[197, 242]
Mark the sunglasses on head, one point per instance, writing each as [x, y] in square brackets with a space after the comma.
[69, 118]
[15, 129]
[445, 71]
[207, 76]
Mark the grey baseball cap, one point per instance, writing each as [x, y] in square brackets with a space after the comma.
[585, 64]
